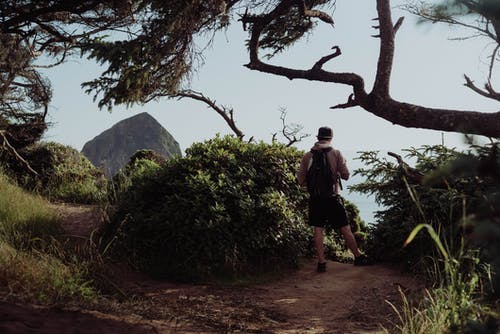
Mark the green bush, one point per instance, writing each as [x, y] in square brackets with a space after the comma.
[142, 162]
[458, 198]
[64, 174]
[445, 200]
[402, 211]
[228, 208]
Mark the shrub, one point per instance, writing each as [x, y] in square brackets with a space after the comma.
[403, 210]
[227, 208]
[457, 188]
[459, 198]
[141, 163]
[481, 219]
[65, 174]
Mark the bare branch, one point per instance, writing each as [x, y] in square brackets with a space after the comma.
[412, 175]
[290, 131]
[429, 15]
[492, 62]
[398, 24]
[319, 64]
[315, 73]
[226, 113]
[4, 144]
[351, 102]
[489, 92]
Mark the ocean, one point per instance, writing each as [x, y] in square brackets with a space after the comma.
[366, 204]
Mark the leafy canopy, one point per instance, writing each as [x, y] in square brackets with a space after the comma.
[159, 52]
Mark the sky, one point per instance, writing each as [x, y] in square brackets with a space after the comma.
[428, 70]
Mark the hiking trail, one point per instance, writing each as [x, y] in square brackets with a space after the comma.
[345, 299]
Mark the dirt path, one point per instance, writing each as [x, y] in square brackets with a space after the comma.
[345, 299]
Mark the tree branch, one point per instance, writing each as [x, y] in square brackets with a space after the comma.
[398, 24]
[4, 143]
[315, 13]
[316, 73]
[290, 132]
[351, 102]
[378, 101]
[319, 64]
[412, 175]
[427, 14]
[227, 114]
[414, 116]
[489, 92]
[386, 53]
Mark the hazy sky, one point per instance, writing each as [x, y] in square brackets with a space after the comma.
[428, 70]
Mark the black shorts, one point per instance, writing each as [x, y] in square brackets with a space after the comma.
[327, 212]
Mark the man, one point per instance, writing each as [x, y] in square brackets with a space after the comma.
[325, 210]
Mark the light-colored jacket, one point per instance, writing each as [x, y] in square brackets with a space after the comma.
[335, 158]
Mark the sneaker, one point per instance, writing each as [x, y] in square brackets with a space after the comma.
[362, 260]
[321, 267]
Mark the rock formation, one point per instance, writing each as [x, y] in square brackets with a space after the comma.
[112, 149]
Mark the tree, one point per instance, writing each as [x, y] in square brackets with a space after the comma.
[482, 17]
[161, 54]
[41, 34]
[150, 53]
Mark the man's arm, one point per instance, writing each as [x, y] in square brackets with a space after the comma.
[342, 169]
[302, 172]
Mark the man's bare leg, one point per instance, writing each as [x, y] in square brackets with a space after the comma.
[350, 240]
[318, 243]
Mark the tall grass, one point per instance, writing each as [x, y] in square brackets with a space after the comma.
[42, 277]
[454, 304]
[443, 309]
[33, 264]
[26, 220]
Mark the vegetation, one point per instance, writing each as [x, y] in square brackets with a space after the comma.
[454, 304]
[31, 261]
[456, 198]
[35, 34]
[407, 204]
[64, 174]
[225, 209]
[164, 39]
[141, 164]
[149, 49]
[25, 220]
[230, 207]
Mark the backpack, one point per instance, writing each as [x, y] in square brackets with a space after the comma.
[319, 177]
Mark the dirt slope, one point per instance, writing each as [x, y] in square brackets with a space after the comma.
[345, 299]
